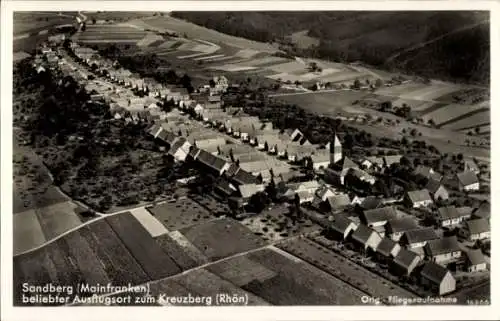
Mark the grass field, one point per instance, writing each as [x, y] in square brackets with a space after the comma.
[180, 214]
[476, 119]
[30, 22]
[449, 112]
[58, 218]
[149, 222]
[221, 238]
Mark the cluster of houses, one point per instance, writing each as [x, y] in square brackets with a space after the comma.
[245, 154]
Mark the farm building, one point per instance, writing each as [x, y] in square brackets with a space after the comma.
[366, 238]
[405, 262]
[395, 228]
[341, 227]
[478, 229]
[418, 238]
[387, 249]
[438, 278]
[483, 211]
[419, 198]
[444, 250]
[468, 181]
[475, 261]
[449, 216]
[437, 190]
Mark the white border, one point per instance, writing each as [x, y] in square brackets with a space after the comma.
[211, 313]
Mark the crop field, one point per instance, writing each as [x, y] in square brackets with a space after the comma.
[343, 269]
[449, 112]
[233, 68]
[298, 283]
[221, 238]
[110, 33]
[194, 31]
[342, 76]
[139, 242]
[401, 90]
[27, 231]
[483, 129]
[149, 222]
[180, 214]
[149, 40]
[326, 102]
[288, 67]
[117, 15]
[188, 248]
[265, 61]
[177, 252]
[241, 270]
[415, 105]
[479, 118]
[431, 92]
[58, 218]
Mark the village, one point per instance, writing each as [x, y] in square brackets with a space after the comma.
[434, 238]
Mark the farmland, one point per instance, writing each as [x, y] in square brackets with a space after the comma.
[32, 22]
[221, 238]
[110, 33]
[449, 112]
[180, 214]
[342, 268]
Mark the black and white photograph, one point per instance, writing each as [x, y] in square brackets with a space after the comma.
[250, 158]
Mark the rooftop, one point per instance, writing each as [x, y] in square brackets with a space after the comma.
[478, 226]
[475, 257]
[467, 178]
[405, 258]
[419, 195]
[421, 235]
[442, 246]
[386, 246]
[434, 272]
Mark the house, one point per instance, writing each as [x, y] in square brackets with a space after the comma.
[295, 134]
[338, 202]
[483, 211]
[361, 175]
[414, 239]
[405, 262]
[444, 250]
[242, 177]
[379, 216]
[471, 166]
[324, 192]
[438, 278]
[427, 172]
[395, 228]
[320, 160]
[477, 229]
[179, 149]
[392, 159]
[305, 196]
[419, 198]
[212, 162]
[449, 216]
[366, 238]
[370, 203]
[468, 181]
[373, 163]
[341, 227]
[437, 190]
[475, 261]
[387, 249]
[248, 190]
[224, 188]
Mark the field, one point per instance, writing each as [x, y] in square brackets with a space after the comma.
[27, 231]
[479, 118]
[342, 268]
[275, 224]
[447, 113]
[180, 214]
[110, 33]
[193, 31]
[221, 238]
[58, 218]
[32, 22]
[149, 222]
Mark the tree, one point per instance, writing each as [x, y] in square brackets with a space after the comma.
[477, 129]
[93, 21]
[211, 82]
[258, 202]
[356, 84]
[379, 83]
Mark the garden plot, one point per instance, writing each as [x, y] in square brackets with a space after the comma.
[57, 219]
[27, 231]
[450, 112]
[480, 118]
